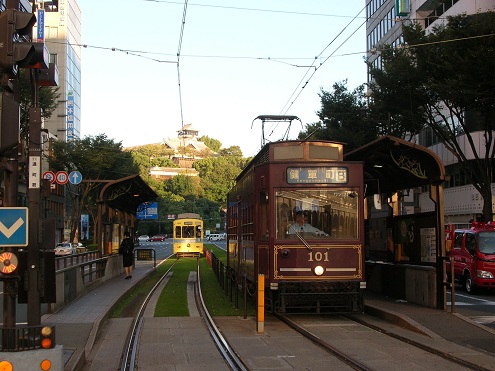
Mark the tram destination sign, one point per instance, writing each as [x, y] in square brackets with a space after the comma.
[319, 174]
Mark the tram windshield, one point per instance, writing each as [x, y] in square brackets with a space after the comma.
[321, 213]
[188, 231]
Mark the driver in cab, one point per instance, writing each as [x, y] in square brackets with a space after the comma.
[302, 226]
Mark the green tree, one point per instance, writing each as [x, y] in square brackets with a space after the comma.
[184, 185]
[47, 100]
[445, 81]
[218, 175]
[96, 158]
[213, 144]
[231, 151]
[344, 118]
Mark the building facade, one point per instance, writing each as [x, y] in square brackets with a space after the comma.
[384, 26]
[62, 36]
[59, 26]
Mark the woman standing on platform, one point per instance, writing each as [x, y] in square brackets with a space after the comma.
[126, 249]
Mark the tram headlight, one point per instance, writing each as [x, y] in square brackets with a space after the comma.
[285, 253]
[188, 245]
[319, 270]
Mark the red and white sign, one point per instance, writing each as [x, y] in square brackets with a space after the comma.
[62, 177]
[50, 175]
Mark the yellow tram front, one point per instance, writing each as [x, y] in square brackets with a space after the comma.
[188, 235]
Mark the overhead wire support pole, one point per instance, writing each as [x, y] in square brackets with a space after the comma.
[178, 61]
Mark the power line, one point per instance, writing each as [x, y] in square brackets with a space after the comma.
[291, 101]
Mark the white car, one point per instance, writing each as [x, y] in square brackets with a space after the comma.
[143, 238]
[63, 248]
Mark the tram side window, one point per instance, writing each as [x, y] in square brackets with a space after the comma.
[263, 216]
[199, 233]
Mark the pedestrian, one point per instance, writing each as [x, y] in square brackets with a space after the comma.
[126, 249]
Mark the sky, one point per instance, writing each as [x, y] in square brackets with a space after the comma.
[152, 66]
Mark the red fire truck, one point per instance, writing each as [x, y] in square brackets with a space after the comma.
[473, 253]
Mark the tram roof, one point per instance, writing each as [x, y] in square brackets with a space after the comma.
[392, 164]
[127, 193]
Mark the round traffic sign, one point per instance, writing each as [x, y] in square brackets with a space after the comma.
[62, 177]
[50, 175]
[75, 177]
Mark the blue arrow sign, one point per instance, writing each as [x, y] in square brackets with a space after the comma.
[13, 226]
[75, 177]
[147, 210]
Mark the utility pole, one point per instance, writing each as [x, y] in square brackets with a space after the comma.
[18, 51]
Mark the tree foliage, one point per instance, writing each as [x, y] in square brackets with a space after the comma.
[445, 81]
[213, 144]
[344, 118]
[96, 158]
[47, 100]
[218, 175]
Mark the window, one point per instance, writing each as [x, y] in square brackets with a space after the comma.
[322, 213]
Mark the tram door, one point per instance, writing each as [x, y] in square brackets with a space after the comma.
[264, 234]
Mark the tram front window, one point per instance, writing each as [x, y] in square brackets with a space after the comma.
[322, 213]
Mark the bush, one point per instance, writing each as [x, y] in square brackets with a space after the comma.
[92, 247]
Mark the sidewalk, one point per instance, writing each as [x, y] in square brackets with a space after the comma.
[78, 324]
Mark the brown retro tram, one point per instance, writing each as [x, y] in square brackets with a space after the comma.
[317, 265]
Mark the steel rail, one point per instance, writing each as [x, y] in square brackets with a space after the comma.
[221, 343]
[130, 349]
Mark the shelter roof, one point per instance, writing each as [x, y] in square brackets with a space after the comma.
[127, 193]
[392, 164]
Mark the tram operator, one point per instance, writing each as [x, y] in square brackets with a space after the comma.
[302, 226]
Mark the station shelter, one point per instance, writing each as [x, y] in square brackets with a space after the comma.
[117, 205]
[405, 247]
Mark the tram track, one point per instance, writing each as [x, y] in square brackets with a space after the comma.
[351, 358]
[130, 353]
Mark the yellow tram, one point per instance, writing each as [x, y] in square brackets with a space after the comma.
[188, 235]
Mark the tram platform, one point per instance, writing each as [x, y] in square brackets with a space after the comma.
[79, 324]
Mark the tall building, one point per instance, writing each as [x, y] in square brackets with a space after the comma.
[462, 201]
[59, 26]
[62, 35]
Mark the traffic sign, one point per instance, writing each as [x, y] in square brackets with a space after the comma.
[50, 175]
[62, 177]
[13, 226]
[75, 177]
[147, 210]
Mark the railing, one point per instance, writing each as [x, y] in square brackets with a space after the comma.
[23, 338]
[91, 263]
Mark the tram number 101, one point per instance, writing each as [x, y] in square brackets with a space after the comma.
[318, 256]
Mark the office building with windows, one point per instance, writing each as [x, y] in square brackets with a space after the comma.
[59, 26]
[61, 32]
[384, 26]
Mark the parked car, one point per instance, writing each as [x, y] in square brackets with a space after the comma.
[214, 237]
[63, 248]
[143, 238]
[158, 237]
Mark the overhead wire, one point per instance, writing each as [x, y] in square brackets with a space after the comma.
[291, 101]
